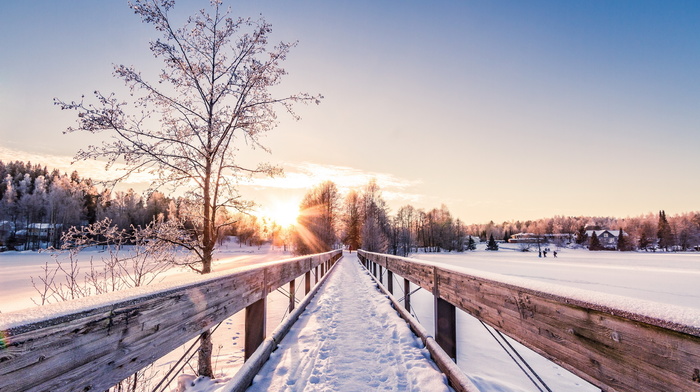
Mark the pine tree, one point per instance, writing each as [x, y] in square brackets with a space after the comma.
[664, 231]
[622, 242]
[471, 244]
[506, 235]
[492, 245]
[643, 241]
[595, 243]
[581, 236]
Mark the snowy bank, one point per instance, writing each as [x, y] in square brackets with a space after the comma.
[674, 317]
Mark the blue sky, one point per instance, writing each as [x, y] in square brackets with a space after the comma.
[501, 110]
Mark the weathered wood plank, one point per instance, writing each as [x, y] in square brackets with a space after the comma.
[446, 327]
[611, 348]
[95, 349]
[255, 317]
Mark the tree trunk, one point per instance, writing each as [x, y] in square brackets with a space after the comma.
[205, 351]
[204, 367]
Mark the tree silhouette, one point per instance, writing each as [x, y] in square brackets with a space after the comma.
[664, 231]
[185, 126]
[492, 245]
[595, 243]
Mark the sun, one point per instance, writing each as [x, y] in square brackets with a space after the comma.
[284, 213]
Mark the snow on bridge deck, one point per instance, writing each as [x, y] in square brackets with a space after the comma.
[350, 339]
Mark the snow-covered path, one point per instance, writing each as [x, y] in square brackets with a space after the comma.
[350, 339]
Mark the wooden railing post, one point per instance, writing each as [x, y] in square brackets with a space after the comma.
[390, 281]
[292, 296]
[255, 315]
[307, 282]
[380, 274]
[446, 327]
[407, 294]
[445, 320]
[316, 275]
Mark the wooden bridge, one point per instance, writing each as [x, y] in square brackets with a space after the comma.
[91, 350]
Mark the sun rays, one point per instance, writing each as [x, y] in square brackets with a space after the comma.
[283, 212]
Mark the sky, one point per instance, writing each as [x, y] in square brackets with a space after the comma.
[501, 110]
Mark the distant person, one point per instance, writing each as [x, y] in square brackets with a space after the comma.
[540, 254]
[555, 253]
[544, 254]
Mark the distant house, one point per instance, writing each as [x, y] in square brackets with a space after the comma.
[43, 231]
[6, 228]
[608, 238]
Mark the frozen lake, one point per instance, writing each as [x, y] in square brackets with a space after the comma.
[672, 278]
[666, 278]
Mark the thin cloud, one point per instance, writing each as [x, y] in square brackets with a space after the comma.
[298, 176]
[306, 175]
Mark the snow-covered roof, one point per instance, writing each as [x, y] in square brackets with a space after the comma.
[598, 233]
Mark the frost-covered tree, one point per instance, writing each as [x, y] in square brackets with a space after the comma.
[186, 125]
[404, 227]
[375, 224]
[352, 220]
[319, 214]
[9, 212]
[212, 95]
[64, 206]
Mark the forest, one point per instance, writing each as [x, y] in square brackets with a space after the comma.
[38, 205]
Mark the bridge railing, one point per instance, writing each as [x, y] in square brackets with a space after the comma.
[106, 341]
[612, 348]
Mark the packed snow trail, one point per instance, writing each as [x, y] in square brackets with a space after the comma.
[350, 339]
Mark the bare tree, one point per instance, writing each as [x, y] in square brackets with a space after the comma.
[352, 220]
[318, 220]
[403, 226]
[375, 226]
[211, 96]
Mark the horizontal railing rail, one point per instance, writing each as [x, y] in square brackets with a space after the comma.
[99, 345]
[613, 348]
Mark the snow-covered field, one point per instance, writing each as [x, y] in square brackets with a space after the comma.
[17, 295]
[671, 278]
[668, 278]
[17, 269]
